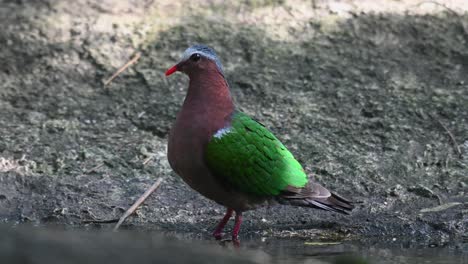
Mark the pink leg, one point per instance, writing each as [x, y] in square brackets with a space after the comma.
[219, 229]
[237, 225]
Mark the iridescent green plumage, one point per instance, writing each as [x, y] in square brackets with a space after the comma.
[251, 159]
[237, 162]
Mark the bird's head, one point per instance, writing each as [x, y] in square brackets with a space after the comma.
[197, 58]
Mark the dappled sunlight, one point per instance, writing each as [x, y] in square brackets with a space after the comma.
[369, 96]
[290, 20]
[20, 166]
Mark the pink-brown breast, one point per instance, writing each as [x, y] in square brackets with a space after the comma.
[206, 109]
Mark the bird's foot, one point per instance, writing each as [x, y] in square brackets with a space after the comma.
[235, 231]
[236, 242]
[218, 235]
[226, 242]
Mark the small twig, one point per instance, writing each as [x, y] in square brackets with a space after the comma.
[452, 138]
[95, 167]
[457, 15]
[289, 12]
[123, 68]
[148, 159]
[438, 4]
[108, 221]
[140, 200]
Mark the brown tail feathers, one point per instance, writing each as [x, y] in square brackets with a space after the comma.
[316, 196]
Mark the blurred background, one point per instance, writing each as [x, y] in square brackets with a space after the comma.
[370, 96]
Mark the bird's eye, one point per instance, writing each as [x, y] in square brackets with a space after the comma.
[195, 57]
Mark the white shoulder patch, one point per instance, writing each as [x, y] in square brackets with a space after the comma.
[223, 131]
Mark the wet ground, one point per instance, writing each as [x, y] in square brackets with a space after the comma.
[55, 245]
[370, 96]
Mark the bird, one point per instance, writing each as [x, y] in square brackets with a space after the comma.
[228, 156]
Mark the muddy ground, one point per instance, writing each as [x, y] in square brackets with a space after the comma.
[371, 99]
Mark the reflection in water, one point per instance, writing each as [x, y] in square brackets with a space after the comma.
[44, 245]
[370, 251]
[376, 250]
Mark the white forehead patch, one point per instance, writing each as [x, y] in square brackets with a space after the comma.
[203, 51]
[188, 52]
[222, 132]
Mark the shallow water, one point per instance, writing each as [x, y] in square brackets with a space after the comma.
[22, 244]
[374, 250]
[300, 251]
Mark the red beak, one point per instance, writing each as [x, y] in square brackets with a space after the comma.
[171, 70]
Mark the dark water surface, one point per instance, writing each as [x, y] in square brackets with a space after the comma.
[372, 251]
[22, 244]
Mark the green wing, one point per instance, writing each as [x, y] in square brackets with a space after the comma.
[249, 157]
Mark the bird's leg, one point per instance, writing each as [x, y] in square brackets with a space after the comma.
[219, 229]
[237, 225]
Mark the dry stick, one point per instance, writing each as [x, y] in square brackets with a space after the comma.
[148, 159]
[448, 9]
[123, 68]
[437, 4]
[452, 138]
[140, 200]
[95, 167]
